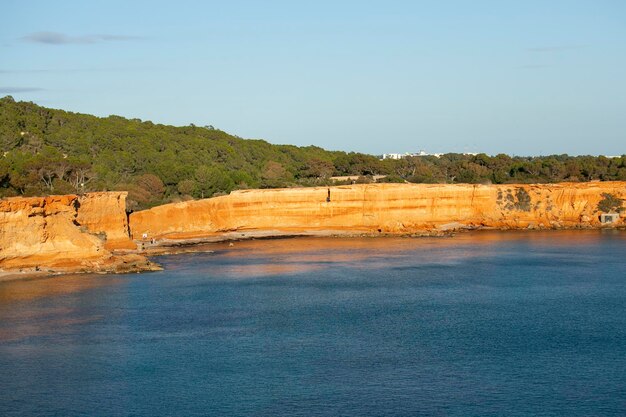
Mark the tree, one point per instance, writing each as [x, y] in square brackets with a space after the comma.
[318, 169]
[610, 204]
[81, 174]
[144, 191]
[151, 183]
[212, 180]
[43, 150]
[187, 187]
[4, 176]
[274, 175]
[473, 173]
[405, 167]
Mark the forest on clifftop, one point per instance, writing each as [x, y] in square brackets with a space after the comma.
[47, 151]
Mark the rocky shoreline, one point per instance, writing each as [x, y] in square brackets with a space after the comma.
[119, 264]
[92, 233]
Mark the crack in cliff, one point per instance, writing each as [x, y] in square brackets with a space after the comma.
[473, 193]
[363, 205]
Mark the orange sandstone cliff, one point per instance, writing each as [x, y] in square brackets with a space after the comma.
[45, 233]
[382, 208]
[105, 212]
[71, 233]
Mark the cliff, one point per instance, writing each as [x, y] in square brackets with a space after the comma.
[105, 212]
[71, 233]
[41, 231]
[383, 208]
[44, 233]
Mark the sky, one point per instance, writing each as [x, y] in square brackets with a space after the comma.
[517, 77]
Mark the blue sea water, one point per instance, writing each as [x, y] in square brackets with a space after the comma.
[481, 324]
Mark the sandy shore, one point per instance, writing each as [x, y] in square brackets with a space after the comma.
[187, 243]
[24, 273]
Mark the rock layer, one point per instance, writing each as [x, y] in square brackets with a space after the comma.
[383, 208]
[105, 212]
[71, 233]
[45, 233]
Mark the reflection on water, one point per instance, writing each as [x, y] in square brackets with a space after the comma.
[302, 255]
[40, 323]
[22, 317]
[29, 289]
[489, 323]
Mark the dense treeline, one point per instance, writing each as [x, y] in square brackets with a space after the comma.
[46, 151]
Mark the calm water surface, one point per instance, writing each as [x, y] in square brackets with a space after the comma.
[519, 323]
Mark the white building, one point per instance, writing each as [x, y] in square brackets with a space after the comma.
[394, 156]
[406, 155]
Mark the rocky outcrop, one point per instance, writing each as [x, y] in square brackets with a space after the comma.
[105, 213]
[382, 208]
[71, 233]
[44, 233]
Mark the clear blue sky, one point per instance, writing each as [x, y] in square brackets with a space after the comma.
[519, 77]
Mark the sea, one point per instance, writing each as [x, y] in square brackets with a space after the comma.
[516, 323]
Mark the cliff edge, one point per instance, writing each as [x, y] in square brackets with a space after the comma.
[45, 233]
[105, 212]
[93, 233]
[385, 208]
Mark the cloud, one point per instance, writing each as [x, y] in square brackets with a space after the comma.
[57, 38]
[68, 70]
[556, 48]
[14, 90]
[533, 66]
[21, 71]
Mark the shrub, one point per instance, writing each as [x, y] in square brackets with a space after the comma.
[610, 203]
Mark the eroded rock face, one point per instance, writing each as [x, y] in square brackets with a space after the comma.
[42, 231]
[383, 208]
[77, 234]
[105, 212]
[67, 233]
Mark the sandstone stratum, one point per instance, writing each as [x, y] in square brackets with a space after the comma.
[67, 234]
[382, 209]
[93, 233]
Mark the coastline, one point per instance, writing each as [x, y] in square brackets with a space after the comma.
[231, 241]
[92, 233]
[168, 246]
[121, 263]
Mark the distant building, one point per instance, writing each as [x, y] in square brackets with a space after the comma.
[407, 155]
[607, 218]
[394, 156]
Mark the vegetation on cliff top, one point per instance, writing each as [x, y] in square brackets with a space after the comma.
[47, 151]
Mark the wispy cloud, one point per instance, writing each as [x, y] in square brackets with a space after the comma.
[57, 38]
[557, 48]
[533, 66]
[14, 90]
[22, 71]
[67, 70]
